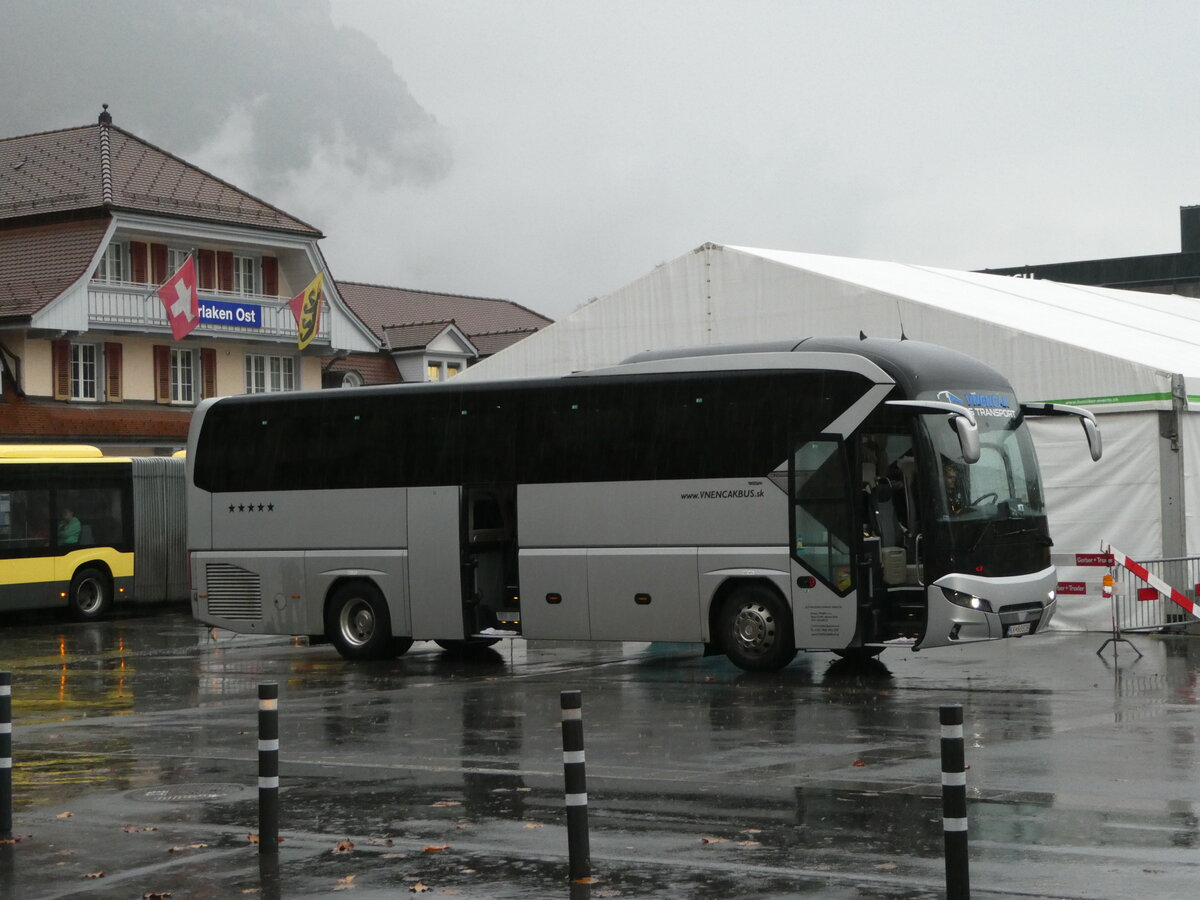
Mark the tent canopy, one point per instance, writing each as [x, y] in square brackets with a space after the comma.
[1108, 349]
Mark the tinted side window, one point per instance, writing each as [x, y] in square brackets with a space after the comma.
[613, 428]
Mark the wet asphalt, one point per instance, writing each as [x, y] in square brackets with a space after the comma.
[135, 768]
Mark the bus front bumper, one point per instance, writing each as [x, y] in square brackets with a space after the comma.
[966, 608]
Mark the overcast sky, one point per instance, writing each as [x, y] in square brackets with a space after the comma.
[550, 152]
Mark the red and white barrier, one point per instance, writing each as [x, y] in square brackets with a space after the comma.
[1139, 571]
[1143, 598]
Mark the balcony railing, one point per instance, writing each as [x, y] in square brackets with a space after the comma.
[223, 313]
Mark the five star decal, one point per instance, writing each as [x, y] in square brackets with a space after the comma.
[251, 507]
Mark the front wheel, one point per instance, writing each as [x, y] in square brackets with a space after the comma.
[91, 595]
[756, 629]
[358, 624]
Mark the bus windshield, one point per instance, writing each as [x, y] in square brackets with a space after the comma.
[1004, 483]
[990, 514]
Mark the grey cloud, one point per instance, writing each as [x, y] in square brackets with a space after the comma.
[175, 72]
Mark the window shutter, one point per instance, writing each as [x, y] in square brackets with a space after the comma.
[207, 276]
[224, 270]
[112, 372]
[270, 276]
[208, 371]
[162, 373]
[158, 264]
[138, 260]
[60, 358]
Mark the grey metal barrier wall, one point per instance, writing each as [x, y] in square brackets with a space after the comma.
[1142, 608]
[160, 529]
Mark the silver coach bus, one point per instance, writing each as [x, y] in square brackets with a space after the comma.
[831, 494]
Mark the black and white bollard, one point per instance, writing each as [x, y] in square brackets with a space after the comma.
[954, 803]
[6, 795]
[268, 768]
[576, 785]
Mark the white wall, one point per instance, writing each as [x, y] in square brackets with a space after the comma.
[1191, 480]
[1092, 505]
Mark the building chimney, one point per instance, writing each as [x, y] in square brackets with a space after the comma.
[105, 115]
[1189, 228]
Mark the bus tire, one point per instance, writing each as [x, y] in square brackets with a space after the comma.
[358, 624]
[756, 629]
[91, 595]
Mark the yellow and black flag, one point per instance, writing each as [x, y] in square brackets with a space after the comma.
[306, 308]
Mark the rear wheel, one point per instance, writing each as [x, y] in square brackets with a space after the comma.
[358, 624]
[756, 629]
[91, 595]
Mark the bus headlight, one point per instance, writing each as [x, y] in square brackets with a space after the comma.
[969, 601]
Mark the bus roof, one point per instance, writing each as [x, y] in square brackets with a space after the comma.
[918, 367]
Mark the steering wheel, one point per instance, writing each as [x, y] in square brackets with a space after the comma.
[979, 500]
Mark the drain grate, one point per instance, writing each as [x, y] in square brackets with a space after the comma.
[188, 793]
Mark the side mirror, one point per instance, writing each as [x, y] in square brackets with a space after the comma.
[968, 437]
[1092, 430]
[1090, 427]
[962, 420]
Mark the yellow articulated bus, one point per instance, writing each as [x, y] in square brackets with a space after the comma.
[83, 530]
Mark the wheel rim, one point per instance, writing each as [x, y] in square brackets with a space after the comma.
[357, 622]
[89, 596]
[754, 629]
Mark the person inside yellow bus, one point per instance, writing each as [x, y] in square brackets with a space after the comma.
[68, 527]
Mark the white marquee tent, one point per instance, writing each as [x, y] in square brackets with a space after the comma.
[1131, 357]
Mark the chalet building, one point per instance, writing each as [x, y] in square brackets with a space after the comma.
[93, 220]
[427, 336]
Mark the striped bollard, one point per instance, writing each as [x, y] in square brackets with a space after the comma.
[576, 785]
[6, 796]
[268, 768]
[954, 803]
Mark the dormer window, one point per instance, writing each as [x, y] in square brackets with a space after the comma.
[442, 370]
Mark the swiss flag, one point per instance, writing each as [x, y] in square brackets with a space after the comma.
[180, 297]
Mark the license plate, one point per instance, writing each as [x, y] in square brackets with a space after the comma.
[1020, 628]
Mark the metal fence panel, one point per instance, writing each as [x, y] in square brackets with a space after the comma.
[1142, 608]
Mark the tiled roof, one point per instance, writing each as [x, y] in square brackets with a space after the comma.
[374, 369]
[24, 418]
[383, 307]
[414, 336]
[490, 342]
[97, 166]
[37, 264]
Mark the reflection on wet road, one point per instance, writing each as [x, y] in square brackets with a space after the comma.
[704, 781]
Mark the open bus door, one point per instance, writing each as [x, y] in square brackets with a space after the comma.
[824, 543]
[491, 594]
[469, 531]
